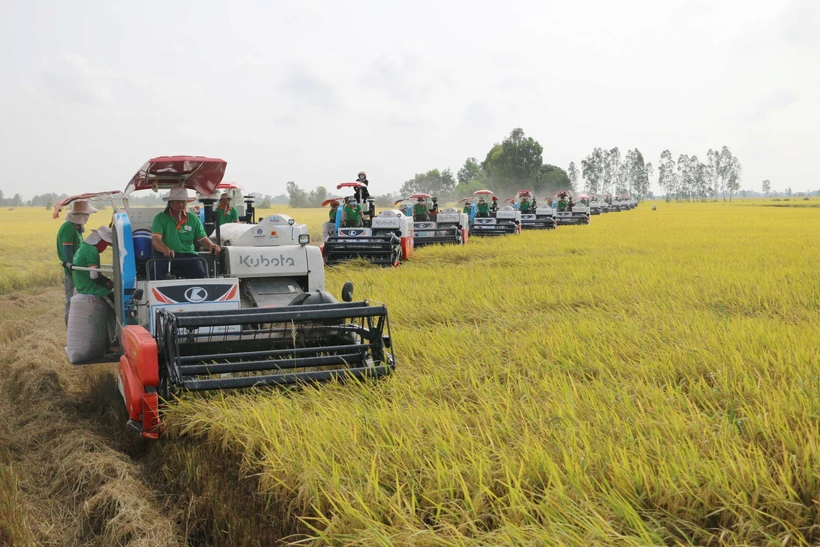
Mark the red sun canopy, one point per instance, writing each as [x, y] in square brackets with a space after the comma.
[196, 173]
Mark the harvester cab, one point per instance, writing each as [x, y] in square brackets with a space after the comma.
[594, 205]
[386, 238]
[431, 225]
[259, 317]
[534, 215]
[490, 220]
[243, 204]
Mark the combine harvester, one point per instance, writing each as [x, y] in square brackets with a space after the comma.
[595, 205]
[536, 217]
[260, 317]
[497, 222]
[568, 211]
[446, 226]
[386, 238]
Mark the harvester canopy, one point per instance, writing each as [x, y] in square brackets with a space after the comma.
[193, 172]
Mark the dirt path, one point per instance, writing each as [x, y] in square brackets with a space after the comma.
[69, 472]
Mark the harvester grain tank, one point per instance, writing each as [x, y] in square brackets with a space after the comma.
[495, 221]
[259, 318]
[448, 225]
[386, 238]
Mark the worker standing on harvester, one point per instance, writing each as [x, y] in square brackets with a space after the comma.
[468, 208]
[330, 226]
[482, 209]
[362, 193]
[562, 203]
[95, 283]
[173, 234]
[524, 207]
[494, 206]
[225, 213]
[351, 214]
[420, 213]
[69, 239]
[433, 211]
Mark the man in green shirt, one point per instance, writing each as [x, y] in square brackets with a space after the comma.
[482, 209]
[351, 214]
[225, 213]
[420, 211]
[173, 234]
[525, 205]
[468, 208]
[69, 239]
[93, 282]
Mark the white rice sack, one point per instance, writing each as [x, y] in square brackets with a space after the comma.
[87, 329]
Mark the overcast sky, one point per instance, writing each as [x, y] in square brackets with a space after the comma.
[314, 91]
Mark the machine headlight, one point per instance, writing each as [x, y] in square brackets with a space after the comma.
[291, 221]
[304, 239]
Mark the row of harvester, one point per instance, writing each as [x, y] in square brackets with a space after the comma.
[488, 219]
[384, 238]
[260, 317]
[431, 225]
[609, 204]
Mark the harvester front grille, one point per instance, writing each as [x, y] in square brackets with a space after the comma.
[274, 346]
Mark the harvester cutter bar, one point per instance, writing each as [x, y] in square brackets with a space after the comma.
[269, 316]
[287, 378]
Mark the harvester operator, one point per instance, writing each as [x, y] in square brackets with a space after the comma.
[468, 208]
[433, 211]
[361, 192]
[95, 283]
[225, 213]
[69, 239]
[351, 214]
[173, 234]
[562, 204]
[420, 213]
[494, 206]
[482, 209]
[524, 206]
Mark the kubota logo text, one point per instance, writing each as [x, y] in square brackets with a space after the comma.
[264, 262]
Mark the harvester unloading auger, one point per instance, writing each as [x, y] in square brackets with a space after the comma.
[260, 317]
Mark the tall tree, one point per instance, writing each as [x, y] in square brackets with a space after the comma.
[471, 177]
[724, 169]
[572, 173]
[515, 164]
[592, 169]
[612, 167]
[650, 172]
[550, 180]
[666, 174]
[767, 187]
[733, 183]
[434, 182]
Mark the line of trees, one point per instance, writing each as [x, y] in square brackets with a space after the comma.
[690, 179]
[606, 172]
[514, 164]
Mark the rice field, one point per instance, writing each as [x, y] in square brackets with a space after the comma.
[650, 379]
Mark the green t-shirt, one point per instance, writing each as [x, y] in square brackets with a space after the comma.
[562, 205]
[467, 209]
[68, 234]
[86, 257]
[333, 214]
[483, 208]
[419, 209]
[178, 237]
[525, 206]
[353, 213]
[225, 218]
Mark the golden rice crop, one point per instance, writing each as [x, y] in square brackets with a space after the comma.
[651, 378]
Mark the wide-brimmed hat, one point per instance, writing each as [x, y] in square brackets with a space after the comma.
[178, 193]
[82, 206]
[77, 218]
[103, 233]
